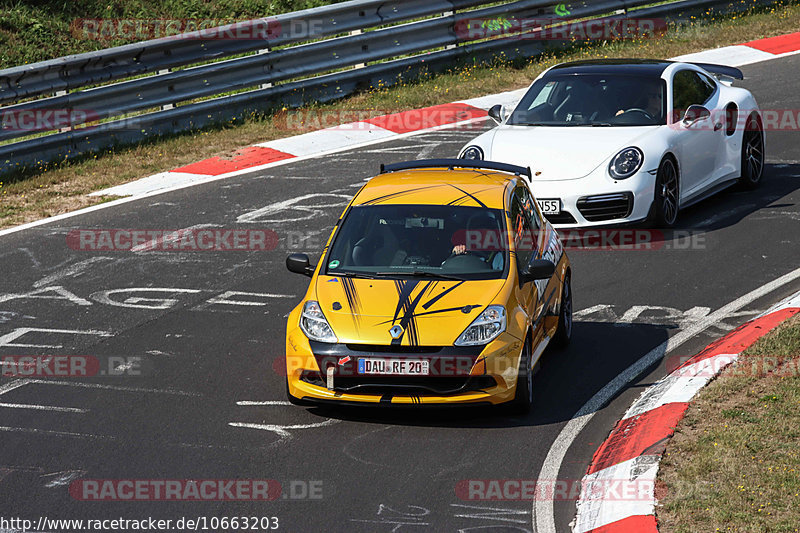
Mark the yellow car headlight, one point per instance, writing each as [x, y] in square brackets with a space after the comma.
[485, 328]
[314, 324]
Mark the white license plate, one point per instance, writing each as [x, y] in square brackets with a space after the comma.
[550, 206]
[402, 367]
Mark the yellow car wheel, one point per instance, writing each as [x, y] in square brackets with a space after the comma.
[523, 395]
[564, 331]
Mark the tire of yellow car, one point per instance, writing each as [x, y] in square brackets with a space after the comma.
[523, 395]
[563, 333]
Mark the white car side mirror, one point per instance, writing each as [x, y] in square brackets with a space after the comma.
[499, 113]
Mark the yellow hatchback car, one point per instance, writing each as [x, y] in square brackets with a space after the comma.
[442, 283]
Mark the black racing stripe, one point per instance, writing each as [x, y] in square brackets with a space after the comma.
[402, 298]
[468, 194]
[397, 194]
[439, 296]
[437, 311]
[408, 322]
[350, 293]
[413, 331]
[405, 288]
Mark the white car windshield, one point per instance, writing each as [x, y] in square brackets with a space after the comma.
[592, 100]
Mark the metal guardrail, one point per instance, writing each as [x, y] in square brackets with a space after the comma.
[80, 70]
[118, 99]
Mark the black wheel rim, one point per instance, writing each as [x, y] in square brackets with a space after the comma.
[754, 155]
[566, 308]
[668, 191]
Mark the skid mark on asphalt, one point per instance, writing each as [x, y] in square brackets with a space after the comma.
[58, 479]
[63, 478]
[43, 408]
[496, 514]
[30, 255]
[6, 339]
[396, 517]
[45, 432]
[71, 271]
[19, 383]
[283, 431]
[8, 316]
[170, 238]
[351, 444]
[769, 215]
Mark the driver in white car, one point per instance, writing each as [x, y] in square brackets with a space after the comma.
[650, 103]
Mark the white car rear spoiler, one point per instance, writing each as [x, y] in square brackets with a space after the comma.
[722, 72]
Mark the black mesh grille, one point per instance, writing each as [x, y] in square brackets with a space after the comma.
[606, 206]
[403, 385]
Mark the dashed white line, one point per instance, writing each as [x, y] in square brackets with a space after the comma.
[43, 407]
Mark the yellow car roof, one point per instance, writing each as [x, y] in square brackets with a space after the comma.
[476, 188]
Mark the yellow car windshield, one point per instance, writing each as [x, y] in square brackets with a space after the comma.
[420, 240]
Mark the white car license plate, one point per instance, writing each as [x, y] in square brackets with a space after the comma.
[550, 206]
[402, 367]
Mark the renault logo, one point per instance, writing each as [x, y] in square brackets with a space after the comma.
[396, 331]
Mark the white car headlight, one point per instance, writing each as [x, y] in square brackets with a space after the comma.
[626, 163]
[490, 324]
[314, 325]
[472, 152]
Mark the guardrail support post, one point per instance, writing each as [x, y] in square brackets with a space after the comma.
[68, 128]
[265, 51]
[159, 73]
[358, 32]
[450, 14]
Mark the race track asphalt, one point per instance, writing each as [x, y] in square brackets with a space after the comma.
[182, 417]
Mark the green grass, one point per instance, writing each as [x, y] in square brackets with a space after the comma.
[734, 462]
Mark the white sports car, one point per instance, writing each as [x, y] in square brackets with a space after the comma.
[604, 149]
